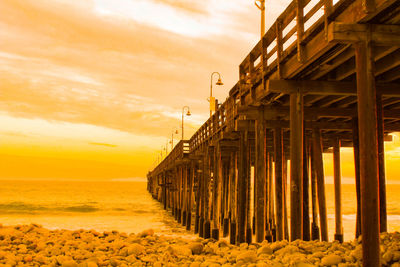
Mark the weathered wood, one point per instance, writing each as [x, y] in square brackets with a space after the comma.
[279, 45]
[300, 30]
[319, 169]
[326, 87]
[381, 166]
[296, 166]
[314, 225]
[233, 197]
[260, 180]
[242, 189]
[278, 153]
[217, 192]
[337, 186]
[385, 35]
[285, 213]
[356, 151]
[367, 123]
[306, 198]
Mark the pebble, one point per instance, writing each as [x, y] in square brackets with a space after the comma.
[331, 260]
[36, 246]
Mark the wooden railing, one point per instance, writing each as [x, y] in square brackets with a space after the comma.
[288, 33]
[180, 150]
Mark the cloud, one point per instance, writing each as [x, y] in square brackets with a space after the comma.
[102, 144]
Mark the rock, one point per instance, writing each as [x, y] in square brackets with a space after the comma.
[222, 244]
[69, 263]
[265, 250]
[247, 257]
[196, 248]
[91, 264]
[331, 260]
[148, 232]
[195, 264]
[135, 249]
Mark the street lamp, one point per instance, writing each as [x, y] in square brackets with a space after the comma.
[187, 114]
[172, 139]
[212, 99]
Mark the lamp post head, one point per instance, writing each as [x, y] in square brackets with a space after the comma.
[219, 82]
[188, 113]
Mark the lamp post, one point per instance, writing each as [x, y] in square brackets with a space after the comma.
[212, 99]
[172, 139]
[187, 114]
[261, 5]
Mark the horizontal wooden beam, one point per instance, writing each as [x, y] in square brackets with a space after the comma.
[272, 113]
[327, 87]
[384, 35]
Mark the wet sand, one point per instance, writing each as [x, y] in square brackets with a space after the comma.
[33, 245]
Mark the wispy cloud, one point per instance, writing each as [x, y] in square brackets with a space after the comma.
[102, 144]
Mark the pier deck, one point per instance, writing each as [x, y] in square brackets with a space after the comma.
[324, 76]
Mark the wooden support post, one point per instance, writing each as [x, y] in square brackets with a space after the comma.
[217, 192]
[267, 206]
[249, 218]
[190, 199]
[233, 197]
[285, 213]
[367, 123]
[356, 150]
[296, 166]
[314, 225]
[381, 162]
[198, 199]
[207, 180]
[300, 30]
[242, 189]
[164, 189]
[180, 192]
[278, 151]
[337, 186]
[306, 198]
[260, 180]
[226, 188]
[319, 170]
[184, 193]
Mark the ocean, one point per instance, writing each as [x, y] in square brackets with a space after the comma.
[129, 208]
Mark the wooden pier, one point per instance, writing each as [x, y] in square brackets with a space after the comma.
[324, 76]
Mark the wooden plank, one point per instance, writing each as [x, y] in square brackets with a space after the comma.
[306, 198]
[279, 46]
[367, 123]
[278, 153]
[319, 170]
[384, 35]
[314, 224]
[217, 192]
[232, 197]
[296, 166]
[241, 197]
[326, 87]
[285, 213]
[356, 151]
[300, 30]
[260, 179]
[337, 189]
[381, 166]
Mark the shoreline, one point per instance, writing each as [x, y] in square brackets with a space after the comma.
[34, 245]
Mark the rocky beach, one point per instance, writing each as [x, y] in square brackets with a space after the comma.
[33, 245]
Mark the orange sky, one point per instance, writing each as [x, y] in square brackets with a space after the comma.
[93, 88]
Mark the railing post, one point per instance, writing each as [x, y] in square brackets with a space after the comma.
[300, 30]
[327, 11]
[279, 46]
